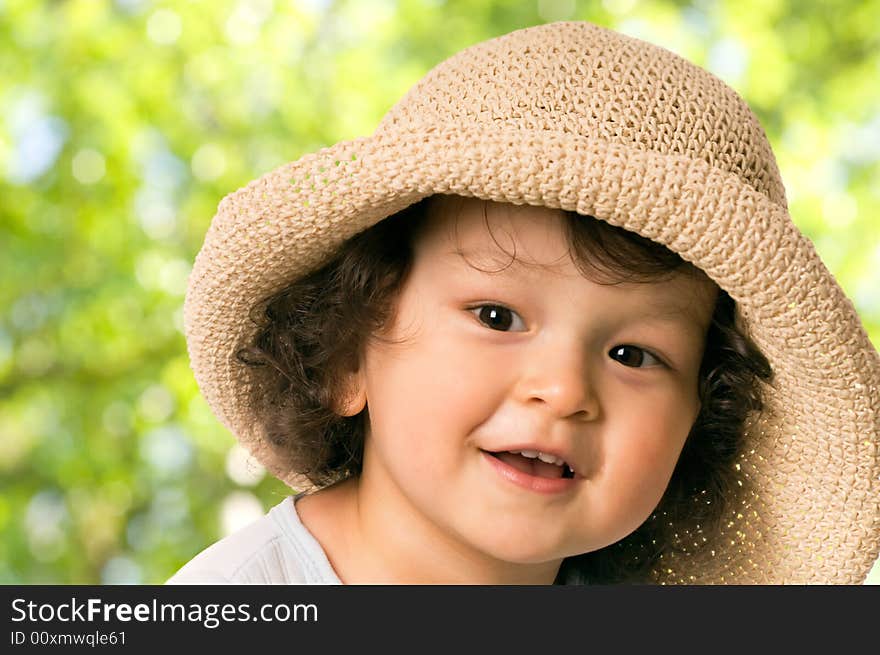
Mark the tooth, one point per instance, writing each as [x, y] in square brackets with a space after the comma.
[531, 454]
[550, 459]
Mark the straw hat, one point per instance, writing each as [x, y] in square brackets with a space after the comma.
[573, 116]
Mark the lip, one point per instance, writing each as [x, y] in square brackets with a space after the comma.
[567, 457]
[530, 482]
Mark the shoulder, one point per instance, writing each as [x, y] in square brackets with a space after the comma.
[260, 553]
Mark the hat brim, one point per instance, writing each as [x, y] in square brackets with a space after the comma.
[808, 506]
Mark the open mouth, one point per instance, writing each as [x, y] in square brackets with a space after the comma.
[534, 463]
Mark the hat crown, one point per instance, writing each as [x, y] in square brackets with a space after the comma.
[581, 79]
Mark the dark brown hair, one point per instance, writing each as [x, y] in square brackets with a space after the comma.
[314, 330]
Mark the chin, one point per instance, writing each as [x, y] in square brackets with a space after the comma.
[521, 548]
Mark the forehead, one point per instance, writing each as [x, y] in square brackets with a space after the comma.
[521, 244]
[497, 233]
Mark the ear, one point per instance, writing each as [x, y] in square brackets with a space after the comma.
[353, 394]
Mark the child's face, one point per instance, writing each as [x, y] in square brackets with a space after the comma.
[531, 356]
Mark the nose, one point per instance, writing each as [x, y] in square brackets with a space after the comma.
[557, 377]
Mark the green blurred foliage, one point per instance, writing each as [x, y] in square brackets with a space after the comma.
[123, 123]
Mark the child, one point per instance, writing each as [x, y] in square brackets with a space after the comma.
[551, 322]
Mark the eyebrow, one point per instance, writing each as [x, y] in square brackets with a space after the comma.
[508, 262]
[679, 313]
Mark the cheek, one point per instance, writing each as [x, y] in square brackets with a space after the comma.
[647, 449]
[425, 397]
[652, 461]
[438, 370]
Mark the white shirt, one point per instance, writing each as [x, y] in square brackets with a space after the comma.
[276, 549]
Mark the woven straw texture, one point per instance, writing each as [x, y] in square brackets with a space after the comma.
[573, 116]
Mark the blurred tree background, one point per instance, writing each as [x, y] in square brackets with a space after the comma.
[122, 125]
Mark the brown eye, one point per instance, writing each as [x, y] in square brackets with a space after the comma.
[633, 356]
[499, 318]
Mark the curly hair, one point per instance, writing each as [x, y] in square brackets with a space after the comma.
[315, 329]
